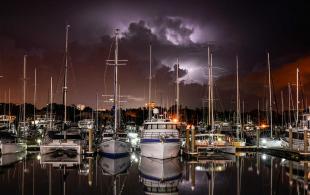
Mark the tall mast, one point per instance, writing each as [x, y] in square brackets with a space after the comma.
[116, 82]
[237, 98]
[270, 95]
[65, 88]
[9, 108]
[51, 103]
[35, 94]
[289, 103]
[178, 89]
[209, 88]
[282, 108]
[212, 96]
[150, 85]
[258, 113]
[297, 95]
[24, 93]
[97, 112]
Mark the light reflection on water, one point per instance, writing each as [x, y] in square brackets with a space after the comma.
[215, 174]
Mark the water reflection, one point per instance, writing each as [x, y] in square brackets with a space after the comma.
[116, 169]
[160, 176]
[214, 174]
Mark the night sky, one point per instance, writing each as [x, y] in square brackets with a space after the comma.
[176, 29]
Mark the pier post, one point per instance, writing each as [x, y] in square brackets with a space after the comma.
[257, 137]
[305, 175]
[305, 139]
[187, 138]
[90, 141]
[290, 137]
[193, 138]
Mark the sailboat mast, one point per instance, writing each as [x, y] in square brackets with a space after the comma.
[178, 89]
[24, 93]
[282, 108]
[150, 84]
[237, 98]
[65, 88]
[297, 95]
[51, 103]
[9, 108]
[209, 88]
[35, 94]
[270, 95]
[212, 95]
[97, 117]
[289, 104]
[116, 82]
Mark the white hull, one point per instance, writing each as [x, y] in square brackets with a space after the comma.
[160, 150]
[11, 148]
[114, 148]
[270, 143]
[296, 144]
[60, 145]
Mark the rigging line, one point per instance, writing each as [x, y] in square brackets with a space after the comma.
[106, 68]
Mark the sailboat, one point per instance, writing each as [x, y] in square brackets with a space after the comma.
[10, 142]
[270, 141]
[113, 144]
[298, 140]
[212, 138]
[68, 141]
[238, 141]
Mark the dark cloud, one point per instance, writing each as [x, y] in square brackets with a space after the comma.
[176, 29]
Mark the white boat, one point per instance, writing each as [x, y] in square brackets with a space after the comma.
[54, 141]
[160, 138]
[160, 176]
[66, 139]
[86, 124]
[267, 142]
[298, 135]
[9, 144]
[114, 144]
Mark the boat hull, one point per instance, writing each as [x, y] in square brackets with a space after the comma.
[11, 148]
[114, 148]
[56, 145]
[160, 149]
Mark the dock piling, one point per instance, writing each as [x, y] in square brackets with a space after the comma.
[193, 139]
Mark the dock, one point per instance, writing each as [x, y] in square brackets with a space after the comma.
[278, 152]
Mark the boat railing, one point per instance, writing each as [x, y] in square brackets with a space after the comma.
[165, 134]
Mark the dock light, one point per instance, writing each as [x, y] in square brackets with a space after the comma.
[263, 126]
[175, 120]
[264, 141]
[38, 157]
[39, 141]
[264, 156]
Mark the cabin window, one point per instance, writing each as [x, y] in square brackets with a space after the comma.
[161, 126]
[154, 126]
[169, 126]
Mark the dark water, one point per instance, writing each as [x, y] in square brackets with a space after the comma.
[217, 174]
